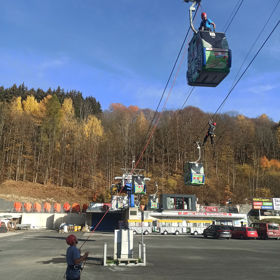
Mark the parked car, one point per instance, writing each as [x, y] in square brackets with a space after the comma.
[217, 231]
[267, 230]
[244, 232]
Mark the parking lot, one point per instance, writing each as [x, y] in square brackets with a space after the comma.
[41, 255]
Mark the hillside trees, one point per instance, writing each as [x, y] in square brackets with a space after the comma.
[83, 107]
[44, 141]
[64, 139]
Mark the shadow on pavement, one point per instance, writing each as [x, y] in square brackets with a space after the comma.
[62, 238]
[62, 259]
[94, 261]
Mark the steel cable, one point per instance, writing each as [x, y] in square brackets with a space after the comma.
[167, 83]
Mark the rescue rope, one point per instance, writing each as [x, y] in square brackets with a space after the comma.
[95, 227]
[164, 106]
[168, 80]
[157, 121]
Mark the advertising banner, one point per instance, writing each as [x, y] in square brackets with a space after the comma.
[263, 203]
[197, 179]
[276, 204]
[209, 209]
[154, 205]
[216, 60]
[139, 185]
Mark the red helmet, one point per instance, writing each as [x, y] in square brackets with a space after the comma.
[71, 239]
[214, 123]
[203, 15]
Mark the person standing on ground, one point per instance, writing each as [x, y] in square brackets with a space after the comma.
[74, 259]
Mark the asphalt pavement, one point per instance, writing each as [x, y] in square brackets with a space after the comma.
[41, 255]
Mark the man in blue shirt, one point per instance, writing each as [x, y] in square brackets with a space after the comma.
[74, 259]
[205, 24]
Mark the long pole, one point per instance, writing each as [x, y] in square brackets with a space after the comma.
[142, 236]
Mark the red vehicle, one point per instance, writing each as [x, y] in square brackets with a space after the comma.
[267, 230]
[244, 232]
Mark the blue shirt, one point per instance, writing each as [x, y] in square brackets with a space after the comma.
[206, 23]
[72, 254]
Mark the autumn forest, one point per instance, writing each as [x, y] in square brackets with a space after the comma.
[65, 139]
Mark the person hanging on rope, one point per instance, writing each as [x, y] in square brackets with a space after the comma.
[210, 132]
[74, 259]
[205, 24]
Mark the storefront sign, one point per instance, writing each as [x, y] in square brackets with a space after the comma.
[205, 214]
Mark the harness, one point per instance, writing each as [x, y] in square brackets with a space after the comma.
[75, 267]
[203, 25]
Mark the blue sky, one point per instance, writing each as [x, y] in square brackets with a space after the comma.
[123, 51]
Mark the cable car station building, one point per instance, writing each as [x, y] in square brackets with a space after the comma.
[179, 209]
[184, 207]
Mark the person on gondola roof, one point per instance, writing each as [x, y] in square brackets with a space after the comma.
[206, 23]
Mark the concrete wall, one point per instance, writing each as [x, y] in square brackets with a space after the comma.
[52, 220]
[69, 218]
[38, 220]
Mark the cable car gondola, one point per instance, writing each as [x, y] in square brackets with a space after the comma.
[194, 171]
[194, 174]
[209, 56]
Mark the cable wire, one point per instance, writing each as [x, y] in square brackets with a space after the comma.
[157, 121]
[254, 43]
[160, 115]
[252, 60]
[258, 36]
[248, 66]
[168, 80]
[227, 25]
[233, 16]
[190, 93]
[232, 12]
